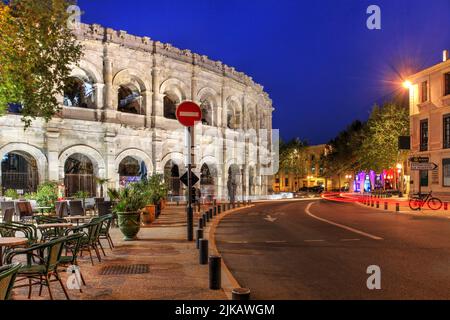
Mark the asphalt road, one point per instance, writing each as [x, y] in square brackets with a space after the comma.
[280, 251]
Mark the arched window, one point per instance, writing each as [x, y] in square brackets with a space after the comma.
[233, 119]
[170, 107]
[172, 178]
[129, 98]
[79, 175]
[206, 113]
[233, 181]
[251, 181]
[129, 171]
[19, 172]
[79, 92]
[206, 178]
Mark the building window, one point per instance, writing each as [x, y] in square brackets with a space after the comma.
[170, 108]
[447, 84]
[129, 100]
[277, 180]
[423, 178]
[446, 172]
[446, 130]
[424, 135]
[286, 181]
[424, 92]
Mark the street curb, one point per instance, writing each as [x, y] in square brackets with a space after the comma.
[410, 213]
[229, 282]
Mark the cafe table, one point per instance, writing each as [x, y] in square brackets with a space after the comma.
[77, 218]
[55, 226]
[42, 209]
[10, 242]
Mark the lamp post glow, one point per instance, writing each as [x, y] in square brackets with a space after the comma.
[407, 84]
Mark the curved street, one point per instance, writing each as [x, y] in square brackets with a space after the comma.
[321, 250]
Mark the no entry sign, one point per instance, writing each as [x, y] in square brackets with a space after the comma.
[188, 113]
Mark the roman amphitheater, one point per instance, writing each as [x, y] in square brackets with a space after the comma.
[117, 121]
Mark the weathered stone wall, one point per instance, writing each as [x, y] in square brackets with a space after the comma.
[113, 59]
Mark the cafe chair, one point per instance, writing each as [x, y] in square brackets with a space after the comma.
[8, 275]
[48, 257]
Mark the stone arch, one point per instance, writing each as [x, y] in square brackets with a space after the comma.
[251, 121]
[176, 157]
[132, 83]
[251, 179]
[175, 87]
[233, 113]
[136, 154]
[93, 155]
[130, 75]
[172, 168]
[90, 69]
[36, 153]
[208, 99]
[233, 180]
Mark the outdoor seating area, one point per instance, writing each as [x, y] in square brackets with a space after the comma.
[37, 245]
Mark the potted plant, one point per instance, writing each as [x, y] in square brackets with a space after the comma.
[101, 182]
[129, 203]
[82, 195]
[11, 194]
[156, 190]
[47, 195]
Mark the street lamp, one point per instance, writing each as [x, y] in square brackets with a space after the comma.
[407, 84]
[400, 174]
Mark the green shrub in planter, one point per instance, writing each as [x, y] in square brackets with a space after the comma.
[128, 204]
[11, 193]
[47, 195]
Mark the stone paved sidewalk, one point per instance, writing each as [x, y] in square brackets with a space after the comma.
[175, 273]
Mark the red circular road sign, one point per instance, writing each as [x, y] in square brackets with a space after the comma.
[188, 113]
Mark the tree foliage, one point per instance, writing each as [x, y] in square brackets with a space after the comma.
[380, 147]
[293, 156]
[343, 152]
[37, 51]
[372, 145]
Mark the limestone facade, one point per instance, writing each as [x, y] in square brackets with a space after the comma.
[151, 77]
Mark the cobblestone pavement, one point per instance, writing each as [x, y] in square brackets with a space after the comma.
[174, 271]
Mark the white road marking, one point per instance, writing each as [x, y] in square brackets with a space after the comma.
[237, 242]
[276, 241]
[365, 234]
[270, 219]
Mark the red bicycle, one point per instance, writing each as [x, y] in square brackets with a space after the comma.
[420, 200]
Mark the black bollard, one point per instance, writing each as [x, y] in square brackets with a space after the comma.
[205, 218]
[199, 236]
[215, 277]
[210, 212]
[215, 211]
[378, 204]
[397, 207]
[200, 223]
[219, 209]
[385, 206]
[203, 254]
[240, 294]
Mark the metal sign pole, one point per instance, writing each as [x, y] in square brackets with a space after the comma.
[190, 212]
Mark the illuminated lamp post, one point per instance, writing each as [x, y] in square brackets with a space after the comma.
[400, 175]
[349, 177]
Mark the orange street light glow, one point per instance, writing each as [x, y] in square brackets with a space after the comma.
[407, 84]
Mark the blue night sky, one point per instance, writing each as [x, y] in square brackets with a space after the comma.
[320, 64]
